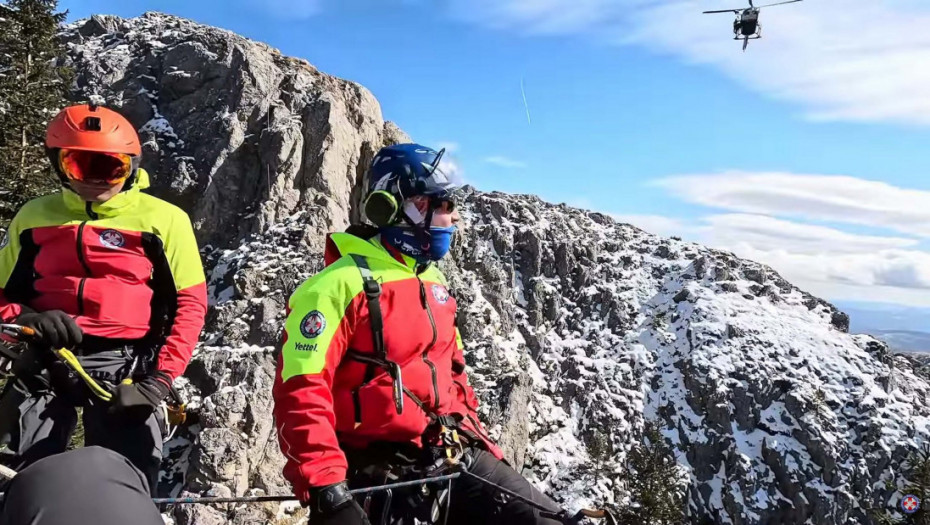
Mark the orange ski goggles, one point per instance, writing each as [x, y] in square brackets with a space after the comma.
[95, 166]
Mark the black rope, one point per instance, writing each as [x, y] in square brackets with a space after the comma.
[513, 494]
[260, 499]
[561, 515]
[445, 516]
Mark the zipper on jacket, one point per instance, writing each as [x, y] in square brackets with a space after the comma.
[478, 428]
[80, 256]
[89, 208]
[357, 408]
[80, 297]
[432, 322]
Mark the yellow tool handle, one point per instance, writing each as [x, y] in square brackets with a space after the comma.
[65, 355]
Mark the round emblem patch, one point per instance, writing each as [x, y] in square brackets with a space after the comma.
[440, 293]
[910, 504]
[313, 324]
[112, 239]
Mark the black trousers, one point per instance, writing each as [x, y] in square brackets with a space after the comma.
[38, 412]
[468, 502]
[90, 485]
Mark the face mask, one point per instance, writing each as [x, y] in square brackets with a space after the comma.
[440, 242]
[408, 241]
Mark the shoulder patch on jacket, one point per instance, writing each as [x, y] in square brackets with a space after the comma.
[313, 324]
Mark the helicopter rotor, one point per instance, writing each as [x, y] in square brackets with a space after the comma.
[778, 3]
[751, 6]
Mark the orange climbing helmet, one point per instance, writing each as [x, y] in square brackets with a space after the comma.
[92, 128]
[92, 143]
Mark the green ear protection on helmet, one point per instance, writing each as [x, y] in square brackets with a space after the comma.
[381, 208]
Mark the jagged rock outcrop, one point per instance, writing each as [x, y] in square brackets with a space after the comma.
[577, 328]
[240, 134]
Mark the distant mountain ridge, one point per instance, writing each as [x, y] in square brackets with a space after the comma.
[904, 340]
[905, 329]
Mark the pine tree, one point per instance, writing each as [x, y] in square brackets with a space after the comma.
[600, 449]
[33, 87]
[917, 472]
[653, 481]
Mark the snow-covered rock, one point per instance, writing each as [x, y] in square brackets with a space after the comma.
[578, 329]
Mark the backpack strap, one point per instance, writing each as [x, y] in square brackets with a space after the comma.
[372, 289]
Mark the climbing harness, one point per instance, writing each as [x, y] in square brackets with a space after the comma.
[8, 356]
[372, 289]
[67, 357]
[174, 412]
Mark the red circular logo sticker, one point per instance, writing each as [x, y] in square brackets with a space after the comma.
[313, 324]
[440, 293]
[112, 239]
[910, 504]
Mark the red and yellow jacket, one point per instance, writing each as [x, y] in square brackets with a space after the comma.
[321, 397]
[127, 269]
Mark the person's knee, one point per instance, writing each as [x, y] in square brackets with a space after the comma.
[483, 463]
[68, 488]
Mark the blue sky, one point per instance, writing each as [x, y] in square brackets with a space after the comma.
[650, 112]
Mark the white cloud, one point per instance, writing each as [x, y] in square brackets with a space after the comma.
[843, 258]
[816, 197]
[858, 60]
[453, 169]
[450, 163]
[900, 276]
[766, 233]
[827, 262]
[505, 162]
[843, 59]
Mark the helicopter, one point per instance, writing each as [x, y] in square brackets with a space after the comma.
[747, 26]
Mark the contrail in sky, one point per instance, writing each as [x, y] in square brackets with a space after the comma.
[527, 106]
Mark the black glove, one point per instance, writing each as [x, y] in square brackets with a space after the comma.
[54, 328]
[333, 505]
[136, 402]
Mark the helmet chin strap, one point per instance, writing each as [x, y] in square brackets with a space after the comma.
[421, 230]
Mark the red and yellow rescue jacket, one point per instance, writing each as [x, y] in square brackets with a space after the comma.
[127, 269]
[322, 397]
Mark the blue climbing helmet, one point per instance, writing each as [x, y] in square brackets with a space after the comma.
[402, 171]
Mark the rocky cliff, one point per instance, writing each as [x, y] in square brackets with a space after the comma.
[578, 329]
